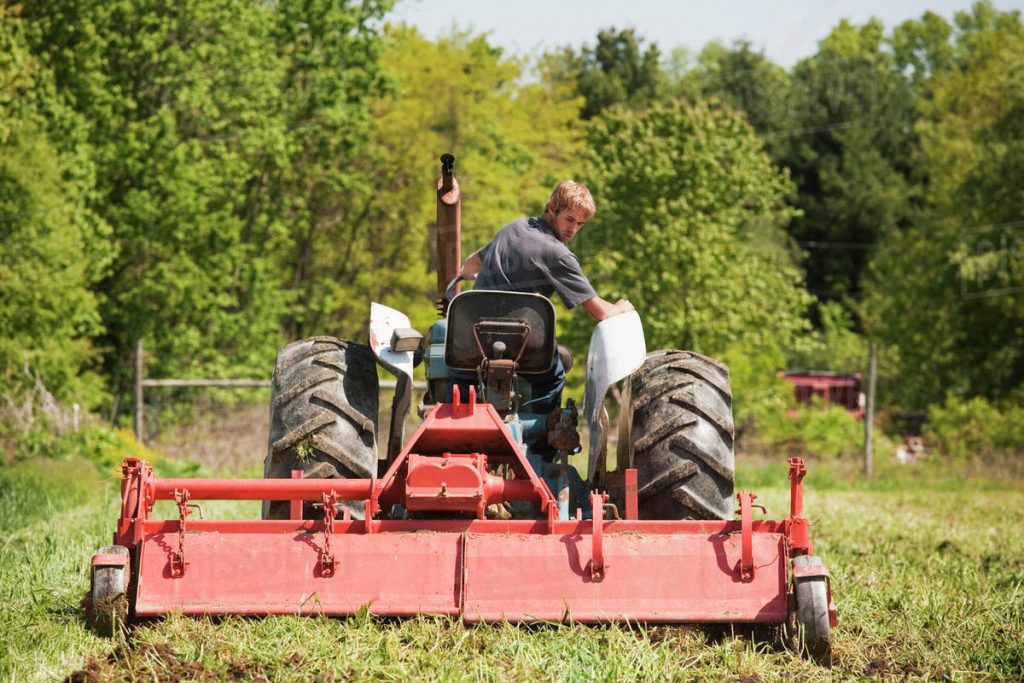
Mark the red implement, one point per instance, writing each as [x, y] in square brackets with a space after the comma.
[454, 561]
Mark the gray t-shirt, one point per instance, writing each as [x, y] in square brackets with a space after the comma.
[527, 256]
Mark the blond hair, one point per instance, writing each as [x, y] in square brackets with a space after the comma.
[569, 194]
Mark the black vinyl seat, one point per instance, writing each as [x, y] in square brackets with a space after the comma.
[497, 316]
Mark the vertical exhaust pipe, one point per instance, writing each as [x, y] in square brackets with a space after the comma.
[449, 225]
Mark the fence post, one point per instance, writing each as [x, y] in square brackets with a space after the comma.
[869, 417]
[139, 397]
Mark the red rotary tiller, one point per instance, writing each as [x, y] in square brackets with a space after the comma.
[613, 567]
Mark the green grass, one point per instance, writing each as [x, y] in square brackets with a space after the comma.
[928, 575]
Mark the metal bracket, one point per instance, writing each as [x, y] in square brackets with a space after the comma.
[597, 565]
[746, 564]
[632, 506]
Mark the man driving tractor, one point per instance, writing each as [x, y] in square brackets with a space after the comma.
[531, 255]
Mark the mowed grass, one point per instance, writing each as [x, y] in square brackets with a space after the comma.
[928, 575]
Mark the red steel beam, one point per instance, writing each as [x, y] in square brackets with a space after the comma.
[496, 489]
[263, 489]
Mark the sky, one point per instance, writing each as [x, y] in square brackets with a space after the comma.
[787, 30]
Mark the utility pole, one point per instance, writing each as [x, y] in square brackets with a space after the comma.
[139, 398]
[869, 417]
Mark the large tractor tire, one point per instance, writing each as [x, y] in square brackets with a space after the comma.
[323, 417]
[677, 425]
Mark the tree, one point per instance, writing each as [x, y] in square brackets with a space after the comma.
[617, 70]
[52, 247]
[314, 196]
[744, 79]
[943, 295]
[850, 148]
[680, 190]
[224, 135]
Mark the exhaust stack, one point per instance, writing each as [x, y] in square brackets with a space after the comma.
[449, 224]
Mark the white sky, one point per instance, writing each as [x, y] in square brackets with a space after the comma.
[787, 30]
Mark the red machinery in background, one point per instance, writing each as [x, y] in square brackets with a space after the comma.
[831, 388]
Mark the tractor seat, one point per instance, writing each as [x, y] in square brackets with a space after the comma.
[499, 325]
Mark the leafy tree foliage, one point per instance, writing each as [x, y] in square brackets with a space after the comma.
[745, 80]
[679, 188]
[850, 147]
[617, 70]
[222, 132]
[944, 295]
[52, 247]
[315, 194]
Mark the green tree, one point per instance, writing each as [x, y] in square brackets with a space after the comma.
[850, 147]
[224, 135]
[681, 191]
[616, 70]
[743, 79]
[314, 196]
[944, 295]
[52, 247]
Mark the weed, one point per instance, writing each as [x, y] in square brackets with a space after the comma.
[304, 449]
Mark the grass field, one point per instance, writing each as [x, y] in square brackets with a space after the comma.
[928, 574]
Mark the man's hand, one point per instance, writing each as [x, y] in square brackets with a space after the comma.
[602, 310]
[624, 306]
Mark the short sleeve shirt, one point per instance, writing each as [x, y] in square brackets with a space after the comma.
[527, 256]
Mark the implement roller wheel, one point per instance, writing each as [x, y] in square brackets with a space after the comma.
[676, 429]
[108, 593]
[323, 418]
[810, 632]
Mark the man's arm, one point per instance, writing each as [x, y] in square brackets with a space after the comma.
[472, 266]
[601, 309]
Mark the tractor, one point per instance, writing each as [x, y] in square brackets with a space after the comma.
[479, 514]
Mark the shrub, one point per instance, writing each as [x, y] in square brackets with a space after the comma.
[976, 430]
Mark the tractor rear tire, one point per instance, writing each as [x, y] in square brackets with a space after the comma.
[323, 418]
[677, 425]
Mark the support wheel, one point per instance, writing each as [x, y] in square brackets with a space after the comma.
[810, 632]
[109, 594]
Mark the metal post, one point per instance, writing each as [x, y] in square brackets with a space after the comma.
[869, 417]
[449, 224]
[139, 397]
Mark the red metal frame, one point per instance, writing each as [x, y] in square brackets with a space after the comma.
[463, 564]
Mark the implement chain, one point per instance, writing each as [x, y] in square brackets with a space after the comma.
[184, 510]
[330, 505]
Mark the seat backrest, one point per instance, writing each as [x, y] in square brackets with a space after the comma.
[493, 314]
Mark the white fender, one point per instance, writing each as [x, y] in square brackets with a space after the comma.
[617, 349]
[383, 322]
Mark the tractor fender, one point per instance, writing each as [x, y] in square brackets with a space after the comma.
[617, 349]
[384, 321]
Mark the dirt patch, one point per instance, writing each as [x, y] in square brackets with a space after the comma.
[882, 664]
[158, 662]
[673, 634]
[108, 614]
